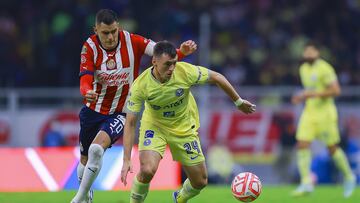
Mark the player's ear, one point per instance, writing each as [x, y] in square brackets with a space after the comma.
[95, 30]
[153, 61]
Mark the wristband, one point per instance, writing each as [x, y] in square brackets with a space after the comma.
[238, 102]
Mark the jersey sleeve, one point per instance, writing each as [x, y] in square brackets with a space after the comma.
[196, 74]
[328, 74]
[143, 44]
[136, 98]
[86, 60]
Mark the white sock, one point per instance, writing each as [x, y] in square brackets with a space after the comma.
[91, 171]
[80, 171]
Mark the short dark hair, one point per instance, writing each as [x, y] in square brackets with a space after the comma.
[165, 47]
[312, 43]
[106, 16]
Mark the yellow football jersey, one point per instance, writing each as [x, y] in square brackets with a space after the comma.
[317, 77]
[169, 105]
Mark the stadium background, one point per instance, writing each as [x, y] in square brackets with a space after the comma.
[256, 44]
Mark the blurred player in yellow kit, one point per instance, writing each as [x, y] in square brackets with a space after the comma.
[170, 118]
[319, 119]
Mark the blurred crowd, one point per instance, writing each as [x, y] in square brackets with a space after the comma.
[253, 42]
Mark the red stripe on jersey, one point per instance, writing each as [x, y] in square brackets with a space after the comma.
[108, 99]
[124, 93]
[99, 51]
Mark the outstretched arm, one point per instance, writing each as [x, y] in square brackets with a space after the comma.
[243, 105]
[186, 48]
[129, 137]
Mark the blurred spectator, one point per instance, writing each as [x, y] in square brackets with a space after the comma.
[256, 40]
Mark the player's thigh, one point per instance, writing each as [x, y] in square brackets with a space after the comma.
[111, 130]
[329, 133]
[149, 161]
[187, 150]
[86, 137]
[197, 175]
[306, 130]
[152, 138]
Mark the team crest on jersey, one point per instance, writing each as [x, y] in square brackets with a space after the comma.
[83, 50]
[147, 142]
[179, 92]
[110, 64]
[313, 77]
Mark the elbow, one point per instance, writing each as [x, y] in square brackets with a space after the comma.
[337, 92]
[218, 77]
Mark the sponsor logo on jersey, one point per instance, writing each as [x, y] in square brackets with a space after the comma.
[149, 134]
[155, 107]
[174, 104]
[179, 92]
[111, 64]
[114, 79]
[194, 157]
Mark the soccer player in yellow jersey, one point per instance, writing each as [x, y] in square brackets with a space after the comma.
[319, 119]
[170, 118]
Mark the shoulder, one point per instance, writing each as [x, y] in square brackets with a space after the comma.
[142, 79]
[303, 66]
[324, 65]
[92, 40]
[184, 66]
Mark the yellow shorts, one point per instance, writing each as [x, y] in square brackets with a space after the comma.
[325, 130]
[185, 149]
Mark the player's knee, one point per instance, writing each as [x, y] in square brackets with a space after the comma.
[332, 149]
[303, 145]
[95, 151]
[147, 172]
[200, 182]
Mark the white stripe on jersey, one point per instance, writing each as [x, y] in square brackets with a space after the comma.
[119, 88]
[149, 50]
[93, 47]
[131, 59]
[103, 62]
[101, 96]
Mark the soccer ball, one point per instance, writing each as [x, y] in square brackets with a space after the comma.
[246, 187]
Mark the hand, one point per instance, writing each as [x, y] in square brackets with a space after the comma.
[296, 99]
[247, 107]
[91, 96]
[302, 96]
[188, 47]
[127, 166]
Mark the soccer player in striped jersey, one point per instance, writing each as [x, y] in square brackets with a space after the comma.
[170, 118]
[110, 62]
[319, 119]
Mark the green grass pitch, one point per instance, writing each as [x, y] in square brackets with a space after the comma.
[216, 194]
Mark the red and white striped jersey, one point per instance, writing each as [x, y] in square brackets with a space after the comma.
[114, 71]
